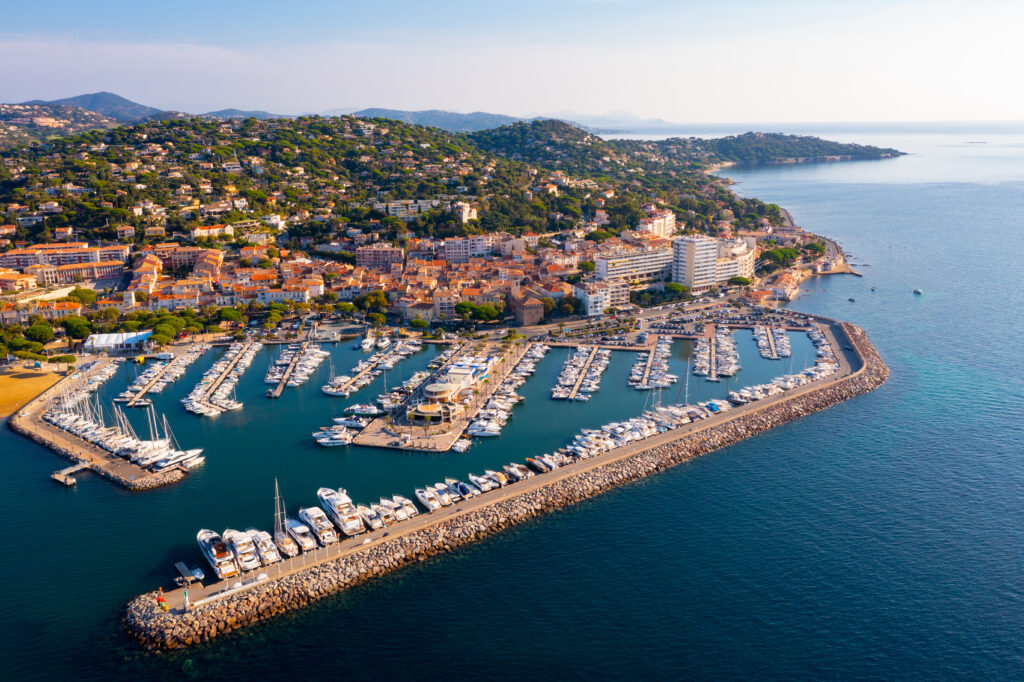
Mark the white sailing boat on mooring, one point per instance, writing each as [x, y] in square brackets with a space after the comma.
[282, 539]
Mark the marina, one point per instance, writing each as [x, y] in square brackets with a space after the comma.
[159, 376]
[507, 488]
[214, 394]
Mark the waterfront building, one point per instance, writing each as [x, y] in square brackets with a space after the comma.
[633, 265]
[599, 296]
[694, 262]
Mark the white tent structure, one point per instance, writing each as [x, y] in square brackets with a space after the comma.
[123, 342]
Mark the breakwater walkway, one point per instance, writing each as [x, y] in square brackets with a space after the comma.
[219, 608]
[29, 422]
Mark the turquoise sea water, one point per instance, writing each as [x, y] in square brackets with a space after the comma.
[881, 538]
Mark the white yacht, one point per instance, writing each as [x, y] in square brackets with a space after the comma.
[301, 534]
[481, 482]
[398, 510]
[370, 517]
[282, 538]
[243, 548]
[339, 507]
[217, 553]
[265, 547]
[441, 492]
[352, 421]
[407, 504]
[317, 520]
[369, 342]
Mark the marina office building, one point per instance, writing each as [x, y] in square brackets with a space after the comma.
[700, 263]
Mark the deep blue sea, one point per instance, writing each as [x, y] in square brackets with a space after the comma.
[882, 538]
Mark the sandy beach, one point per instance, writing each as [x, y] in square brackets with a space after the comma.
[19, 385]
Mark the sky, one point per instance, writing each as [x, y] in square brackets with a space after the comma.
[689, 62]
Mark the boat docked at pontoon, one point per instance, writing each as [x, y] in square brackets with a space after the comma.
[217, 553]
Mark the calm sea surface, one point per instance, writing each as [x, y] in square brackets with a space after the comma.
[882, 538]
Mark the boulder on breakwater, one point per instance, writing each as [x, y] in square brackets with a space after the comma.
[156, 629]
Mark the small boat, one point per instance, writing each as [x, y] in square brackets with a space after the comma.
[217, 553]
[918, 292]
[851, 299]
[483, 483]
[370, 517]
[301, 534]
[407, 504]
[317, 521]
[497, 476]
[428, 499]
[265, 547]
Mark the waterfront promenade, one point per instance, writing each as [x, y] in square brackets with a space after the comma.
[150, 626]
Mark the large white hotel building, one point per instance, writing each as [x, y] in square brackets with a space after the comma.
[700, 263]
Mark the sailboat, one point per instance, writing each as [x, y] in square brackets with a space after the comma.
[282, 539]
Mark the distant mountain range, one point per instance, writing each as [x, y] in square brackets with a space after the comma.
[110, 106]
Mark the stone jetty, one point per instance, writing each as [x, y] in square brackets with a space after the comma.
[159, 630]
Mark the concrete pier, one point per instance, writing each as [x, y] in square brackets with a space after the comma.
[650, 361]
[583, 372]
[220, 608]
[388, 433]
[279, 389]
[29, 423]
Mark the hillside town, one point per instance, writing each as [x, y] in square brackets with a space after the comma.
[204, 230]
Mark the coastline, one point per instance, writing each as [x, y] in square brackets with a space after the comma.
[157, 630]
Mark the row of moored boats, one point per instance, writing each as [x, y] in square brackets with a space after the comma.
[659, 376]
[204, 399]
[164, 372]
[586, 366]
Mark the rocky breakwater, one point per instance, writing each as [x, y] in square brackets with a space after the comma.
[158, 630]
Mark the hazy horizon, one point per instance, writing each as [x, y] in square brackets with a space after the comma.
[792, 61]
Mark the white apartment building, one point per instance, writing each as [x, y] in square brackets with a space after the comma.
[699, 263]
[694, 262]
[633, 265]
[461, 249]
[659, 222]
[599, 296]
[735, 259]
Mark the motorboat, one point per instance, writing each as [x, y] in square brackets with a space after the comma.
[386, 515]
[407, 504]
[352, 422]
[301, 534]
[497, 476]
[464, 491]
[482, 482]
[370, 517]
[364, 410]
[243, 548]
[428, 499]
[317, 521]
[341, 510]
[441, 492]
[265, 547]
[396, 508]
[217, 553]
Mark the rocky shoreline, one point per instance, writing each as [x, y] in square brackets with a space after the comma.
[158, 630]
